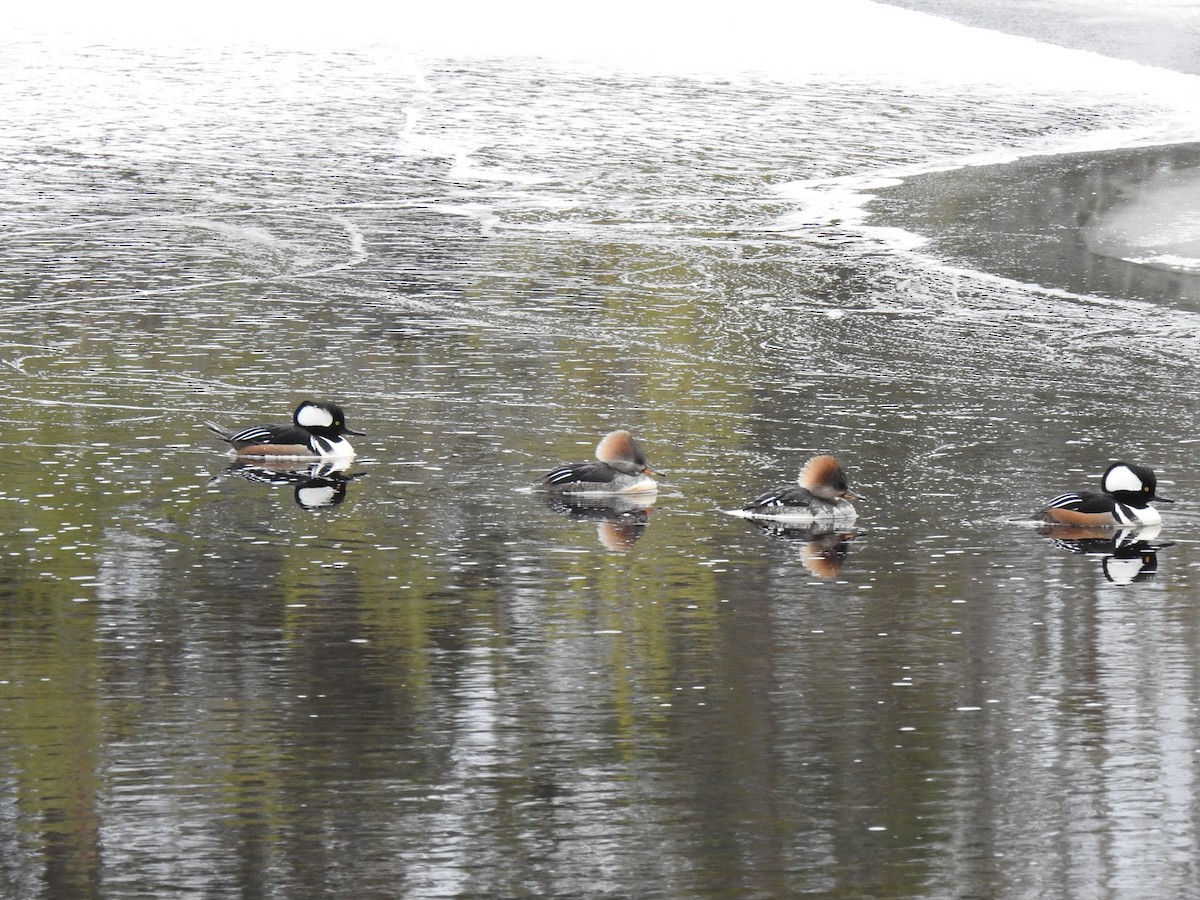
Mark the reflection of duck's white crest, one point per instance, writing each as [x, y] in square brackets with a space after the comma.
[320, 494]
[316, 485]
[1130, 569]
[1130, 555]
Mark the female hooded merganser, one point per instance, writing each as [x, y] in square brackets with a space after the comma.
[621, 469]
[1128, 491]
[821, 496]
[317, 432]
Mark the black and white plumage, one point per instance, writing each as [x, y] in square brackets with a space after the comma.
[1128, 555]
[620, 468]
[1126, 492]
[317, 431]
[315, 485]
[821, 496]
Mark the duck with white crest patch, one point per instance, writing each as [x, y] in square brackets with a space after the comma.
[821, 497]
[318, 432]
[1126, 492]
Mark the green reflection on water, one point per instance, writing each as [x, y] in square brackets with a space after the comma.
[443, 685]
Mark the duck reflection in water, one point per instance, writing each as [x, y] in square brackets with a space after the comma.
[822, 552]
[315, 486]
[1128, 555]
[620, 520]
[816, 512]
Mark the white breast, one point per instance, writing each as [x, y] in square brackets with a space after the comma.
[332, 449]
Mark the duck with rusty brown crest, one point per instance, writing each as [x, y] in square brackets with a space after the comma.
[620, 468]
[820, 497]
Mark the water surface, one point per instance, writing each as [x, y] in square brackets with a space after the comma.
[417, 677]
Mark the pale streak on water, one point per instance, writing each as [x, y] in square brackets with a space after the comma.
[443, 687]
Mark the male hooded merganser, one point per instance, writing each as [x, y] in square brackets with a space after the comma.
[317, 432]
[621, 469]
[1128, 491]
[821, 496]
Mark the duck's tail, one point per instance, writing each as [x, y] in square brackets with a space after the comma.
[223, 433]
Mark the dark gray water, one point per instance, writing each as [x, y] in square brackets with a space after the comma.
[1119, 224]
[439, 685]
[1153, 32]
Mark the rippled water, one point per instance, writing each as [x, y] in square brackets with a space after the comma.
[416, 677]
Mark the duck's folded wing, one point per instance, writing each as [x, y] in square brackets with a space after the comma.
[1087, 502]
[575, 473]
[1085, 508]
[270, 434]
[788, 495]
